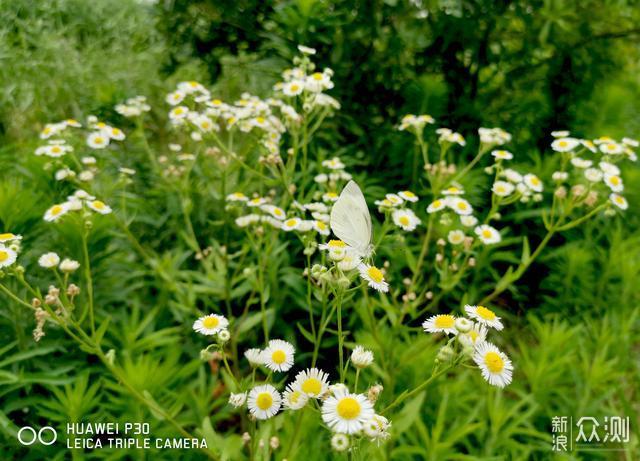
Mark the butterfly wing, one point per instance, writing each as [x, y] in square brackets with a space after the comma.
[350, 218]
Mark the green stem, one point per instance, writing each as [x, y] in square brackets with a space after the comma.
[88, 278]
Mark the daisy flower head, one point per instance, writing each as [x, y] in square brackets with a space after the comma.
[609, 168]
[614, 182]
[512, 176]
[330, 197]
[306, 50]
[278, 355]
[115, 133]
[339, 442]
[533, 182]
[377, 428]
[256, 202]
[237, 197]
[318, 81]
[455, 237]
[374, 277]
[436, 205]
[406, 219]
[361, 357]
[346, 413]
[69, 265]
[489, 235]
[394, 199]
[611, 148]
[484, 316]
[56, 212]
[312, 382]
[97, 140]
[460, 206]
[408, 196]
[502, 154]
[293, 398]
[333, 164]
[593, 174]
[589, 145]
[274, 211]
[293, 88]
[291, 224]
[503, 188]
[49, 260]
[468, 221]
[175, 98]
[496, 367]
[7, 256]
[254, 357]
[9, 237]
[453, 190]
[264, 401]
[580, 162]
[630, 142]
[441, 323]
[476, 335]
[99, 206]
[321, 227]
[350, 261]
[238, 400]
[178, 113]
[211, 324]
[619, 201]
[565, 144]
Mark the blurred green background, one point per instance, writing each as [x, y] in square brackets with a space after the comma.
[529, 67]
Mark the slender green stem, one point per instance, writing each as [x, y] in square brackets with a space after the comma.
[402, 397]
[88, 279]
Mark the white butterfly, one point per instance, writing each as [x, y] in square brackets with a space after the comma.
[351, 221]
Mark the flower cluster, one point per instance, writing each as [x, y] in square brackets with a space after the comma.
[79, 201]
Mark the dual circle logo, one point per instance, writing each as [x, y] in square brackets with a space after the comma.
[27, 435]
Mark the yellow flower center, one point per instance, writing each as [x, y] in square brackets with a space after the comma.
[312, 386]
[238, 194]
[294, 397]
[485, 313]
[620, 200]
[260, 120]
[98, 140]
[290, 222]
[264, 400]
[348, 408]
[56, 149]
[98, 204]
[3, 256]
[216, 102]
[404, 220]
[278, 212]
[473, 334]
[279, 356]
[101, 125]
[47, 130]
[437, 204]
[178, 111]
[409, 194]
[494, 362]
[321, 225]
[211, 322]
[615, 180]
[535, 181]
[611, 146]
[444, 321]
[462, 206]
[453, 190]
[7, 236]
[331, 195]
[56, 210]
[295, 87]
[337, 243]
[563, 143]
[486, 233]
[375, 274]
[317, 76]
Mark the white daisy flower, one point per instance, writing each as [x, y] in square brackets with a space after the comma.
[476, 335]
[512, 175]
[293, 88]
[346, 413]
[178, 113]
[278, 355]
[9, 237]
[468, 221]
[609, 168]
[321, 227]
[496, 367]
[312, 382]
[49, 260]
[560, 176]
[442, 323]
[614, 182]
[318, 82]
[630, 142]
[274, 211]
[406, 219]
[69, 265]
[460, 206]
[619, 201]
[264, 401]
[485, 316]
[565, 144]
[114, 133]
[97, 140]
[502, 154]
[394, 199]
[503, 188]
[99, 207]
[361, 357]
[374, 277]
[56, 212]
[611, 148]
[455, 237]
[56, 150]
[306, 50]
[589, 145]
[254, 356]
[175, 98]
[7, 256]
[408, 196]
[238, 400]
[291, 224]
[377, 428]
[256, 202]
[453, 190]
[340, 442]
[533, 182]
[487, 234]
[330, 197]
[579, 162]
[560, 134]
[210, 324]
[293, 398]
[593, 174]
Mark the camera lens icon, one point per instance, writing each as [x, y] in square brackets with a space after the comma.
[27, 435]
